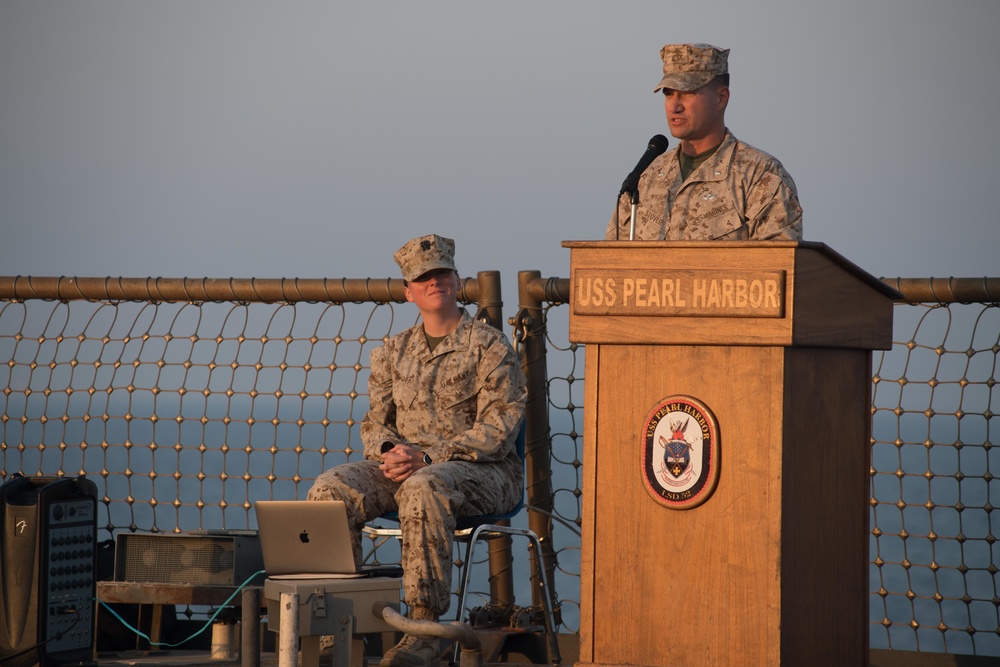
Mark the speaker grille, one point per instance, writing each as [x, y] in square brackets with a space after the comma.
[181, 559]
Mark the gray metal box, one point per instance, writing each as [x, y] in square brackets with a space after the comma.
[319, 617]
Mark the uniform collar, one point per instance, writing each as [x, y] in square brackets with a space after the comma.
[716, 167]
[459, 339]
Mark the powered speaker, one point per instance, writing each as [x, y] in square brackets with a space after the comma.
[227, 558]
[48, 586]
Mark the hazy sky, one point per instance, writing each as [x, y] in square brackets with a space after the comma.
[310, 139]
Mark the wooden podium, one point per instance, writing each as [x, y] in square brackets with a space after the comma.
[726, 451]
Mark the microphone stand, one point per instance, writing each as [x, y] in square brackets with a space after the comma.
[631, 224]
[657, 145]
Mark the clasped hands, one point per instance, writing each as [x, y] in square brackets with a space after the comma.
[401, 461]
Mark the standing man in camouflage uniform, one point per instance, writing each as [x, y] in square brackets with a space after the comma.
[447, 399]
[711, 186]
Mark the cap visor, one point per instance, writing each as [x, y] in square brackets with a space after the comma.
[685, 82]
[427, 268]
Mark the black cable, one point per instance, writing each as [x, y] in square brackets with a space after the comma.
[43, 643]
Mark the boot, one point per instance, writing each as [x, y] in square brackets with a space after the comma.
[412, 651]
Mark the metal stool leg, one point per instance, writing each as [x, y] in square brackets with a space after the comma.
[550, 620]
[535, 545]
[463, 588]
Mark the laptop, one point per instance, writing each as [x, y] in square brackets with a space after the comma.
[309, 539]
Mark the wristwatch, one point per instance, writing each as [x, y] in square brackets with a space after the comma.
[427, 459]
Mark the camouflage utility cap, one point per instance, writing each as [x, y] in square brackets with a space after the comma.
[690, 66]
[424, 254]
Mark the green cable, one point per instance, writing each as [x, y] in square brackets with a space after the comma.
[205, 627]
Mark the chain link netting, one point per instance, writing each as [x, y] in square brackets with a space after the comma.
[564, 403]
[933, 548]
[186, 413]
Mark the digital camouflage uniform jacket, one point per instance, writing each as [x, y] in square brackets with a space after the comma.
[738, 194]
[463, 401]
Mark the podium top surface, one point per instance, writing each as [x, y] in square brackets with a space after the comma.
[817, 246]
[784, 293]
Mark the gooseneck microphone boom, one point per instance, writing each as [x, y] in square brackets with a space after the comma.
[657, 146]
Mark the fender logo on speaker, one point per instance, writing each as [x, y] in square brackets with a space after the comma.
[680, 452]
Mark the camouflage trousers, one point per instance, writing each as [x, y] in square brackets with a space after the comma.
[428, 503]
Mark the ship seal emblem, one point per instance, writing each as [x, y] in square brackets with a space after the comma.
[680, 452]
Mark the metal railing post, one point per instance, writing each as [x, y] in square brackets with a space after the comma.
[530, 321]
[490, 302]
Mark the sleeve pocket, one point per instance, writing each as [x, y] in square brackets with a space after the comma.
[728, 227]
[463, 405]
[453, 400]
[403, 394]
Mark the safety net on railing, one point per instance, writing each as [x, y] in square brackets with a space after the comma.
[186, 412]
[185, 409]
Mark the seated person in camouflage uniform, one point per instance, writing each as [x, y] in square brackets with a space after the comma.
[711, 186]
[447, 400]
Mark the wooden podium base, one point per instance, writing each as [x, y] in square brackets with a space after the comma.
[772, 568]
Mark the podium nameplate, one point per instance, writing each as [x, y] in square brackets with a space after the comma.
[781, 293]
[679, 292]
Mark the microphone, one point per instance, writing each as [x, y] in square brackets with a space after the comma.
[657, 146]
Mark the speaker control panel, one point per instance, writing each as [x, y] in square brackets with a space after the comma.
[69, 584]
